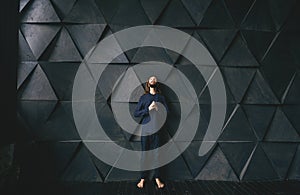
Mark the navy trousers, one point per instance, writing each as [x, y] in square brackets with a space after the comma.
[149, 142]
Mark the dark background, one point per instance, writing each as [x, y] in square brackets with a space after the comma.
[255, 44]
[9, 61]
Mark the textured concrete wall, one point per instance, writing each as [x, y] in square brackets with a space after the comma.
[254, 43]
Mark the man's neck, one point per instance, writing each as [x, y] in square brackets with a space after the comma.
[152, 91]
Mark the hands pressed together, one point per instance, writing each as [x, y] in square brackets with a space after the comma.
[153, 106]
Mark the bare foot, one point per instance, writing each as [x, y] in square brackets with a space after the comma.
[141, 183]
[159, 183]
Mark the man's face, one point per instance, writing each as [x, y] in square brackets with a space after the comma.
[152, 80]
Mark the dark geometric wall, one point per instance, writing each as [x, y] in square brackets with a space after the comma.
[256, 45]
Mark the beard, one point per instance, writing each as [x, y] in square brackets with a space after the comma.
[153, 86]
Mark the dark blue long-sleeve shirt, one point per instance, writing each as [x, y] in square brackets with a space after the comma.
[143, 104]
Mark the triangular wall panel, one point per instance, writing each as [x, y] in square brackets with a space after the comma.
[61, 77]
[292, 20]
[217, 7]
[151, 54]
[238, 54]
[154, 8]
[62, 49]
[131, 13]
[23, 4]
[109, 77]
[281, 156]
[37, 87]
[260, 118]
[259, 18]
[217, 168]
[108, 8]
[259, 92]
[85, 36]
[25, 53]
[23, 72]
[238, 154]
[238, 128]
[193, 160]
[33, 13]
[175, 15]
[85, 11]
[281, 129]
[197, 8]
[280, 10]
[81, 161]
[63, 7]
[239, 9]
[177, 169]
[108, 123]
[292, 112]
[36, 114]
[53, 127]
[217, 41]
[258, 41]
[254, 169]
[196, 78]
[294, 172]
[238, 80]
[39, 36]
[281, 56]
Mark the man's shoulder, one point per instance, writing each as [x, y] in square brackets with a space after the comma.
[144, 95]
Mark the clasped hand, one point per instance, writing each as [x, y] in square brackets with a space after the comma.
[153, 106]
